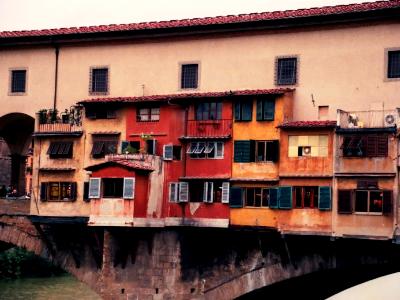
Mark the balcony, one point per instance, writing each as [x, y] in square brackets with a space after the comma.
[52, 123]
[368, 119]
[209, 128]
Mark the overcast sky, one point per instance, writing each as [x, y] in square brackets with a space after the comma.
[40, 14]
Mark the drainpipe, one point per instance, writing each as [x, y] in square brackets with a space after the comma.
[57, 52]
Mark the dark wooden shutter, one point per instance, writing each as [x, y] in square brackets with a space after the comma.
[86, 191]
[237, 111]
[73, 190]
[345, 205]
[285, 197]
[242, 151]
[269, 110]
[236, 197]
[387, 202]
[324, 198]
[247, 110]
[259, 110]
[273, 151]
[372, 142]
[43, 191]
[273, 198]
[382, 146]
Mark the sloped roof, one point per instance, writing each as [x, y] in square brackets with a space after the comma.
[130, 164]
[181, 96]
[308, 124]
[202, 22]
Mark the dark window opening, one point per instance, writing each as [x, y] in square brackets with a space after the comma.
[208, 111]
[58, 191]
[18, 81]
[177, 152]
[149, 114]
[393, 64]
[267, 151]
[205, 191]
[113, 187]
[130, 147]
[189, 76]
[60, 150]
[305, 197]
[102, 148]
[286, 71]
[93, 112]
[99, 80]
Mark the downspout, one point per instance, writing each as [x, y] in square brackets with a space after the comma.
[57, 52]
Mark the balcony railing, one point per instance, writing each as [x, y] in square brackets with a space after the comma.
[50, 121]
[209, 128]
[368, 119]
[59, 127]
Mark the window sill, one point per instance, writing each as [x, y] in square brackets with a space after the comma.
[17, 94]
[368, 213]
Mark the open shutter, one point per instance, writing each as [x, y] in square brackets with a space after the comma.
[168, 152]
[237, 111]
[73, 190]
[205, 192]
[344, 202]
[183, 192]
[273, 198]
[173, 192]
[225, 192]
[129, 188]
[236, 197]
[208, 192]
[324, 198]
[269, 110]
[151, 147]
[285, 197]
[86, 191]
[43, 191]
[387, 202]
[259, 110]
[94, 188]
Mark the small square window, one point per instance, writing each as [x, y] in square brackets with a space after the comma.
[99, 81]
[393, 67]
[189, 76]
[149, 114]
[286, 71]
[18, 81]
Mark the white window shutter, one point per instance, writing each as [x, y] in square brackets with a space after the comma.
[225, 192]
[208, 192]
[168, 152]
[173, 192]
[94, 188]
[129, 188]
[183, 192]
[205, 192]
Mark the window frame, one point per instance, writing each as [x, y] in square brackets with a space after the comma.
[10, 85]
[91, 80]
[313, 204]
[181, 67]
[277, 70]
[261, 194]
[386, 61]
[217, 111]
[48, 191]
[373, 145]
[149, 115]
[106, 143]
[265, 154]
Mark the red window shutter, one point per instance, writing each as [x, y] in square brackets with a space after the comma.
[345, 205]
[382, 146]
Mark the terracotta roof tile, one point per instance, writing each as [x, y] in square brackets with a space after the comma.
[308, 124]
[230, 19]
[278, 91]
[131, 164]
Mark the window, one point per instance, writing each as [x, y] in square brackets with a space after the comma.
[58, 191]
[250, 151]
[101, 148]
[99, 81]
[267, 150]
[365, 146]
[96, 112]
[60, 150]
[256, 197]
[308, 145]
[172, 152]
[130, 147]
[208, 111]
[305, 197]
[265, 109]
[209, 150]
[374, 202]
[208, 191]
[286, 71]
[148, 114]
[189, 76]
[393, 64]
[18, 81]
[243, 110]
[112, 188]
[151, 146]
[178, 192]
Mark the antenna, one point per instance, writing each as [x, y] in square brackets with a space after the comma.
[312, 100]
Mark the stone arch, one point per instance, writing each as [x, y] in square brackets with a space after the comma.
[16, 131]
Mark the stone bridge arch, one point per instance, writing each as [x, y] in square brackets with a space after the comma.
[16, 131]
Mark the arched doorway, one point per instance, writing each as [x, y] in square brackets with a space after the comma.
[16, 131]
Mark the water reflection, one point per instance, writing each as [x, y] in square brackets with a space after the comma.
[63, 287]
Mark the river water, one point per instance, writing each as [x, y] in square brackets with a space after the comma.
[64, 287]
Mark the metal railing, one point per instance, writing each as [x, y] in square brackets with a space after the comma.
[209, 128]
[368, 119]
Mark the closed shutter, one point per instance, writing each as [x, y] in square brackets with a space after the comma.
[273, 198]
[168, 152]
[324, 198]
[173, 192]
[236, 197]
[372, 142]
[247, 110]
[225, 192]
[73, 191]
[345, 205]
[382, 146]
[86, 191]
[269, 110]
[183, 192]
[129, 188]
[259, 110]
[244, 151]
[94, 188]
[238, 111]
[285, 197]
[387, 202]
[43, 191]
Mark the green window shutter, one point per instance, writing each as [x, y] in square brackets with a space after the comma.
[259, 110]
[269, 110]
[242, 151]
[285, 197]
[247, 112]
[236, 197]
[124, 146]
[324, 198]
[273, 198]
[273, 151]
[237, 111]
[387, 202]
